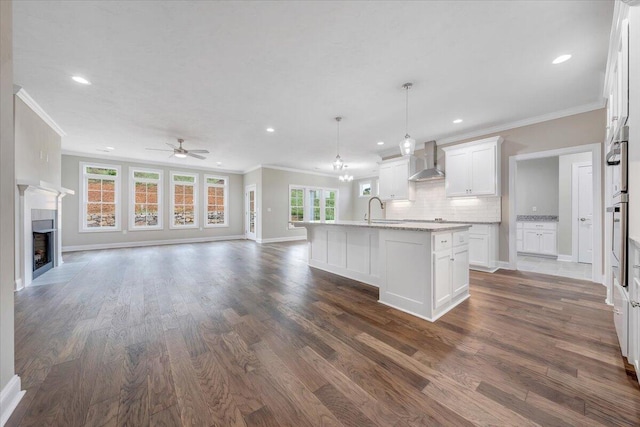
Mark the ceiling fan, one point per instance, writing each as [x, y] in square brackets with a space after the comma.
[180, 152]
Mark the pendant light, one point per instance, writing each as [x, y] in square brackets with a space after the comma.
[408, 144]
[338, 164]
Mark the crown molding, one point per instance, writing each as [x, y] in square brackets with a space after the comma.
[524, 122]
[147, 162]
[282, 168]
[36, 108]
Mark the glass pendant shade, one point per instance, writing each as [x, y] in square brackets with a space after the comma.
[407, 146]
[338, 164]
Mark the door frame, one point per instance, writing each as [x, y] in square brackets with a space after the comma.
[598, 211]
[574, 208]
[246, 212]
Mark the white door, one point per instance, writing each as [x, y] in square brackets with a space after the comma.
[400, 189]
[483, 170]
[479, 249]
[251, 212]
[548, 242]
[460, 271]
[585, 214]
[457, 173]
[441, 278]
[531, 241]
[385, 183]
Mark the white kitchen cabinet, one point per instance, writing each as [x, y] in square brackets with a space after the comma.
[618, 82]
[394, 181]
[450, 268]
[539, 238]
[519, 237]
[483, 247]
[473, 168]
[633, 351]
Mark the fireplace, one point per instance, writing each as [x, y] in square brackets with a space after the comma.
[43, 247]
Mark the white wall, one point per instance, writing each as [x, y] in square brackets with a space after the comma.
[537, 187]
[7, 197]
[565, 214]
[72, 237]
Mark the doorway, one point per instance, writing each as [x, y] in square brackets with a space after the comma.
[555, 217]
[251, 212]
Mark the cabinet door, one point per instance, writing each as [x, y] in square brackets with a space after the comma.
[386, 182]
[479, 249]
[460, 270]
[400, 181]
[457, 173]
[441, 278]
[483, 170]
[531, 241]
[548, 242]
[519, 238]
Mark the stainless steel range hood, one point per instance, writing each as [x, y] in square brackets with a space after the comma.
[431, 171]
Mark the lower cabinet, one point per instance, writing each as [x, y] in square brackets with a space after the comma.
[483, 247]
[450, 268]
[537, 238]
[633, 348]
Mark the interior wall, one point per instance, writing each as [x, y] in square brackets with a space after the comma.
[537, 187]
[7, 196]
[579, 129]
[38, 153]
[360, 205]
[72, 237]
[565, 213]
[275, 200]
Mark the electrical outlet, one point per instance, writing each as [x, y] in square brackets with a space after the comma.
[535, 209]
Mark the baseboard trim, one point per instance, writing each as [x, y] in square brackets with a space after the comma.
[505, 265]
[349, 274]
[565, 258]
[10, 396]
[19, 285]
[483, 269]
[149, 243]
[281, 239]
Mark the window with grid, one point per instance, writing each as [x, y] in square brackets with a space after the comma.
[296, 204]
[216, 191]
[312, 204]
[184, 201]
[146, 200]
[100, 210]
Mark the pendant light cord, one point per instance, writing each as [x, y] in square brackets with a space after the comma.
[407, 113]
[338, 135]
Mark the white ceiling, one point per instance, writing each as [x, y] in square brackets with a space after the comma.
[218, 73]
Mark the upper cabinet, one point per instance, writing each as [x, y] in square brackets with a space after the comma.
[394, 179]
[617, 77]
[473, 169]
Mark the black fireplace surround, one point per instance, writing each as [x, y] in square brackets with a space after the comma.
[43, 247]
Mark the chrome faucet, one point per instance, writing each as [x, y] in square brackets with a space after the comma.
[381, 207]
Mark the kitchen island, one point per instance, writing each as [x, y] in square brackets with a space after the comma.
[419, 268]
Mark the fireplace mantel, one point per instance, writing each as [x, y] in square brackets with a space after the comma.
[37, 195]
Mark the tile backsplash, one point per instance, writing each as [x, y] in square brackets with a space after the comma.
[431, 203]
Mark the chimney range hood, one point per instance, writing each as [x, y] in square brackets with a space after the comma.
[431, 171]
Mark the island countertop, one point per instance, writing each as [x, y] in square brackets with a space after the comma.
[389, 225]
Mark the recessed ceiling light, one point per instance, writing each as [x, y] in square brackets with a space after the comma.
[110, 148]
[457, 121]
[560, 59]
[380, 142]
[271, 130]
[81, 80]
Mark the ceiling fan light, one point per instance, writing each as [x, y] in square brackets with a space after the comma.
[180, 155]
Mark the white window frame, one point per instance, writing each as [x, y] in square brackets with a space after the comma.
[84, 179]
[361, 186]
[196, 208]
[305, 210]
[205, 199]
[132, 197]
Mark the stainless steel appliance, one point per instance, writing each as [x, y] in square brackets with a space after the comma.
[619, 235]
[617, 159]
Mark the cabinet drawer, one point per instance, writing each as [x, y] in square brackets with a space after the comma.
[441, 241]
[540, 225]
[479, 229]
[460, 238]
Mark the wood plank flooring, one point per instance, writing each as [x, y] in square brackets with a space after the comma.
[235, 333]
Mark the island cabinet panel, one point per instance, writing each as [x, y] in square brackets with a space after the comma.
[441, 278]
[318, 244]
[337, 248]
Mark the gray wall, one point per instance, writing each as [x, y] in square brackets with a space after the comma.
[571, 131]
[275, 200]
[537, 186]
[360, 205]
[70, 220]
[7, 196]
[38, 155]
[565, 214]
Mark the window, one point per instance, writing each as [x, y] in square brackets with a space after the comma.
[216, 190]
[145, 200]
[365, 189]
[184, 202]
[100, 210]
[312, 204]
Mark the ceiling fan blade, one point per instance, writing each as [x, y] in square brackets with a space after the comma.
[158, 149]
[197, 156]
[199, 151]
[171, 145]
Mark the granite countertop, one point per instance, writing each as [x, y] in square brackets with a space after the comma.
[446, 221]
[389, 225]
[537, 218]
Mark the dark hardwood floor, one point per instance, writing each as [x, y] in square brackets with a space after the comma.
[234, 333]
